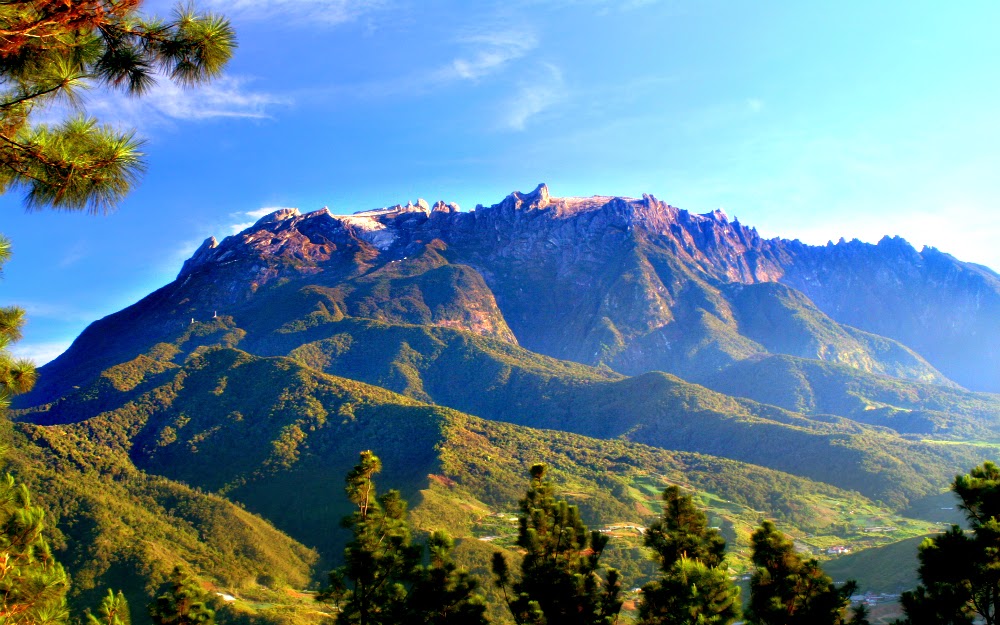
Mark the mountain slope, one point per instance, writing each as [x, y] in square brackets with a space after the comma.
[815, 388]
[114, 526]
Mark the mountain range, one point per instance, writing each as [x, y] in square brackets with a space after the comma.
[628, 343]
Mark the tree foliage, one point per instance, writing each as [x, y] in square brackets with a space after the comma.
[960, 570]
[560, 581]
[382, 581]
[695, 586]
[17, 375]
[33, 584]
[441, 592]
[52, 49]
[683, 531]
[112, 611]
[787, 589]
[182, 601]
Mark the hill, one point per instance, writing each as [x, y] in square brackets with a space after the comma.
[287, 435]
[114, 526]
[628, 343]
[908, 407]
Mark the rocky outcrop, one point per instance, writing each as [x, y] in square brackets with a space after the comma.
[634, 283]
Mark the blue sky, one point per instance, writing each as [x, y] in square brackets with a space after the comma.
[814, 120]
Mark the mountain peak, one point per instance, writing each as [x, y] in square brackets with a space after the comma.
[537, 199]
[279, 215]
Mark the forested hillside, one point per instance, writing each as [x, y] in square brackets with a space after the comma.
[626, 344]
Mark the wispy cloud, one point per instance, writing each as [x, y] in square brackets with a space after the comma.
[225, 97]
[40, 353]
[534, 97]
[73, 255]
[322, 12]
[486, 54]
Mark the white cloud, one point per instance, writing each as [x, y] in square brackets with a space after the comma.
[535, 97]
[40, 353]
[239, 227]
[323, 12]
[226, 96]
[487, 54]
[478, 56]
[755, 105]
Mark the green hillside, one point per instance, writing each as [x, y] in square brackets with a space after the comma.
[785, 321]
[287, 435]
[500, 381]
[114, 526]
[890, 568]
[814, 387]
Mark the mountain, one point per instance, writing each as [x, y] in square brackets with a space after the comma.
[637, 285]
[626, 342]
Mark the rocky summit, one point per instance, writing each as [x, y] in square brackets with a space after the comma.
[631, 283]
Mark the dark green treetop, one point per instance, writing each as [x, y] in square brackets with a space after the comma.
[32, 584]
[441, 592]
[694, 587]
[960, 570]
[683, 531]
[560, 581]
[787, 589]
[112, 611]
[382, 581]
[182, 601]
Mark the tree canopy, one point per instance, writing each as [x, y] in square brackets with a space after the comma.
[787, 589]
[694, 588]
[959, 569]
[50, 50]
[382, 581]
[560, 581]
[33, 584]
[182, 601]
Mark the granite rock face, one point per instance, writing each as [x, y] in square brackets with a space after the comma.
[632, 283]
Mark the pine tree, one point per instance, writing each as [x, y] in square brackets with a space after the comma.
[382, 581]
[789, 590]
[683, 531]
[559, 582]
[441, 592]
[695, 586]
[960, 570]
[860, 616]
[49, 51]
[370, 586]
[33, 585]
[182, 601]
[112, 611]
[17, 375]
